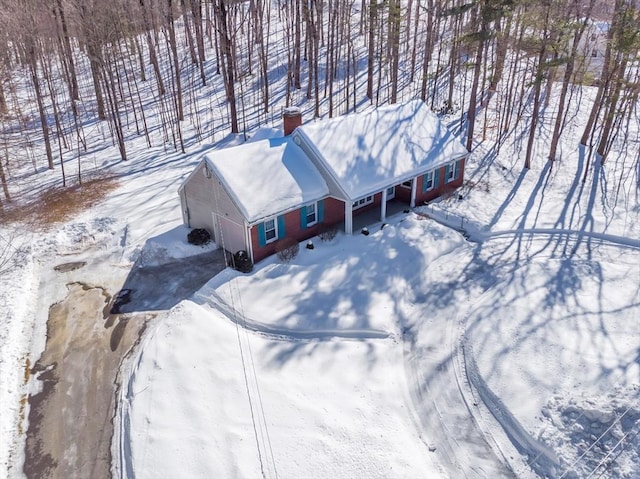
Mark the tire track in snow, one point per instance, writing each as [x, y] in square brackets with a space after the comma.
[467, 375]
[285, 334]
[433, 356]
[478, 233]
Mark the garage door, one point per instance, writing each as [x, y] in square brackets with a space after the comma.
[230, 235]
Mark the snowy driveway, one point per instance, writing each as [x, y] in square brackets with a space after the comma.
[160, 287]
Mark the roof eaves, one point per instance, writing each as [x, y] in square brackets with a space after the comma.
[190, 175]
[263, 218]
[232, 195]
[379, 186]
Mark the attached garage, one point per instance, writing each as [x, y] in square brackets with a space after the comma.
[197, 199]
[230, 235]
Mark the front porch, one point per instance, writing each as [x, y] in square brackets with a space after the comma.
[371, 217]
[388, 202]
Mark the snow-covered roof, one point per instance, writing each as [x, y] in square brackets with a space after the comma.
[365, 152]
[267, 176]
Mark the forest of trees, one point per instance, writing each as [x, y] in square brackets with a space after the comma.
[66, 65]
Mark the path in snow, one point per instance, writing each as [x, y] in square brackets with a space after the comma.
[457, 381]
[213, 300]
[434, 365]
[480, 234]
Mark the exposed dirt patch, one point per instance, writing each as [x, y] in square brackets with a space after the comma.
[70, 420]
[66, 267]
[59, 204]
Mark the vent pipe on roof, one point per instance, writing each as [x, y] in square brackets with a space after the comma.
[291, 119]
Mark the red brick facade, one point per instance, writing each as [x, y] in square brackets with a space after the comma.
[333, 211]
[442, 187]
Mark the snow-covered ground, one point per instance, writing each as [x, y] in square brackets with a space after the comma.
[491, 336]
[410, 351]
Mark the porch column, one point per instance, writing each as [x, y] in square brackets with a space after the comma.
[348, 217]
[414, 186]
[383, 206]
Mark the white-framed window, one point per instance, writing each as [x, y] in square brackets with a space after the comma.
[312, 214]
[367, 200]
[452, 171]
[270, 230]
[428, 181]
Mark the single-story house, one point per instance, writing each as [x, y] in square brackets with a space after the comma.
[325, 172]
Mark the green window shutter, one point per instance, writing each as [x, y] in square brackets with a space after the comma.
[320, 211]
[262, 240]
[424, 183]
[446, 172]
[281, 232]
[436, 178]
[456, 173]
[303, 217]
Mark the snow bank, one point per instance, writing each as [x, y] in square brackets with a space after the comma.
[16, 328]
[595, 436]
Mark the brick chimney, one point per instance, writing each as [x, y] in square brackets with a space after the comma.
[291, 119]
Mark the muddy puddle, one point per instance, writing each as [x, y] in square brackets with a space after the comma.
[70, 420]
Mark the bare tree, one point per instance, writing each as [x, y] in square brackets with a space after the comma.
[176, 60]
[227, 60]
[575, 40]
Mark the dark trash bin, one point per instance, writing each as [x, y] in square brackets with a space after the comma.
[242, 262]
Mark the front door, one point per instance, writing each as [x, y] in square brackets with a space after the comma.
[391, 193]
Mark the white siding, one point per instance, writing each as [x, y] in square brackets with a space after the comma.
[202, 194]
[231, 235]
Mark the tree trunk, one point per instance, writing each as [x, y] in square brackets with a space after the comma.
[73, 80]
[176, 61]
[536, 107]
[373, 15]
[566, 81]
[603, 146]
[33, 67]
[296, 44]
[5, 186]
[604, 79]
[477, 68]
[428, 48]
[196, 10]
[95, 60]
[226, 62]
[394, 39]
[112, 97]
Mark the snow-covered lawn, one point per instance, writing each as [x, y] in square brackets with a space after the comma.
[407, 352]
[483, 337]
